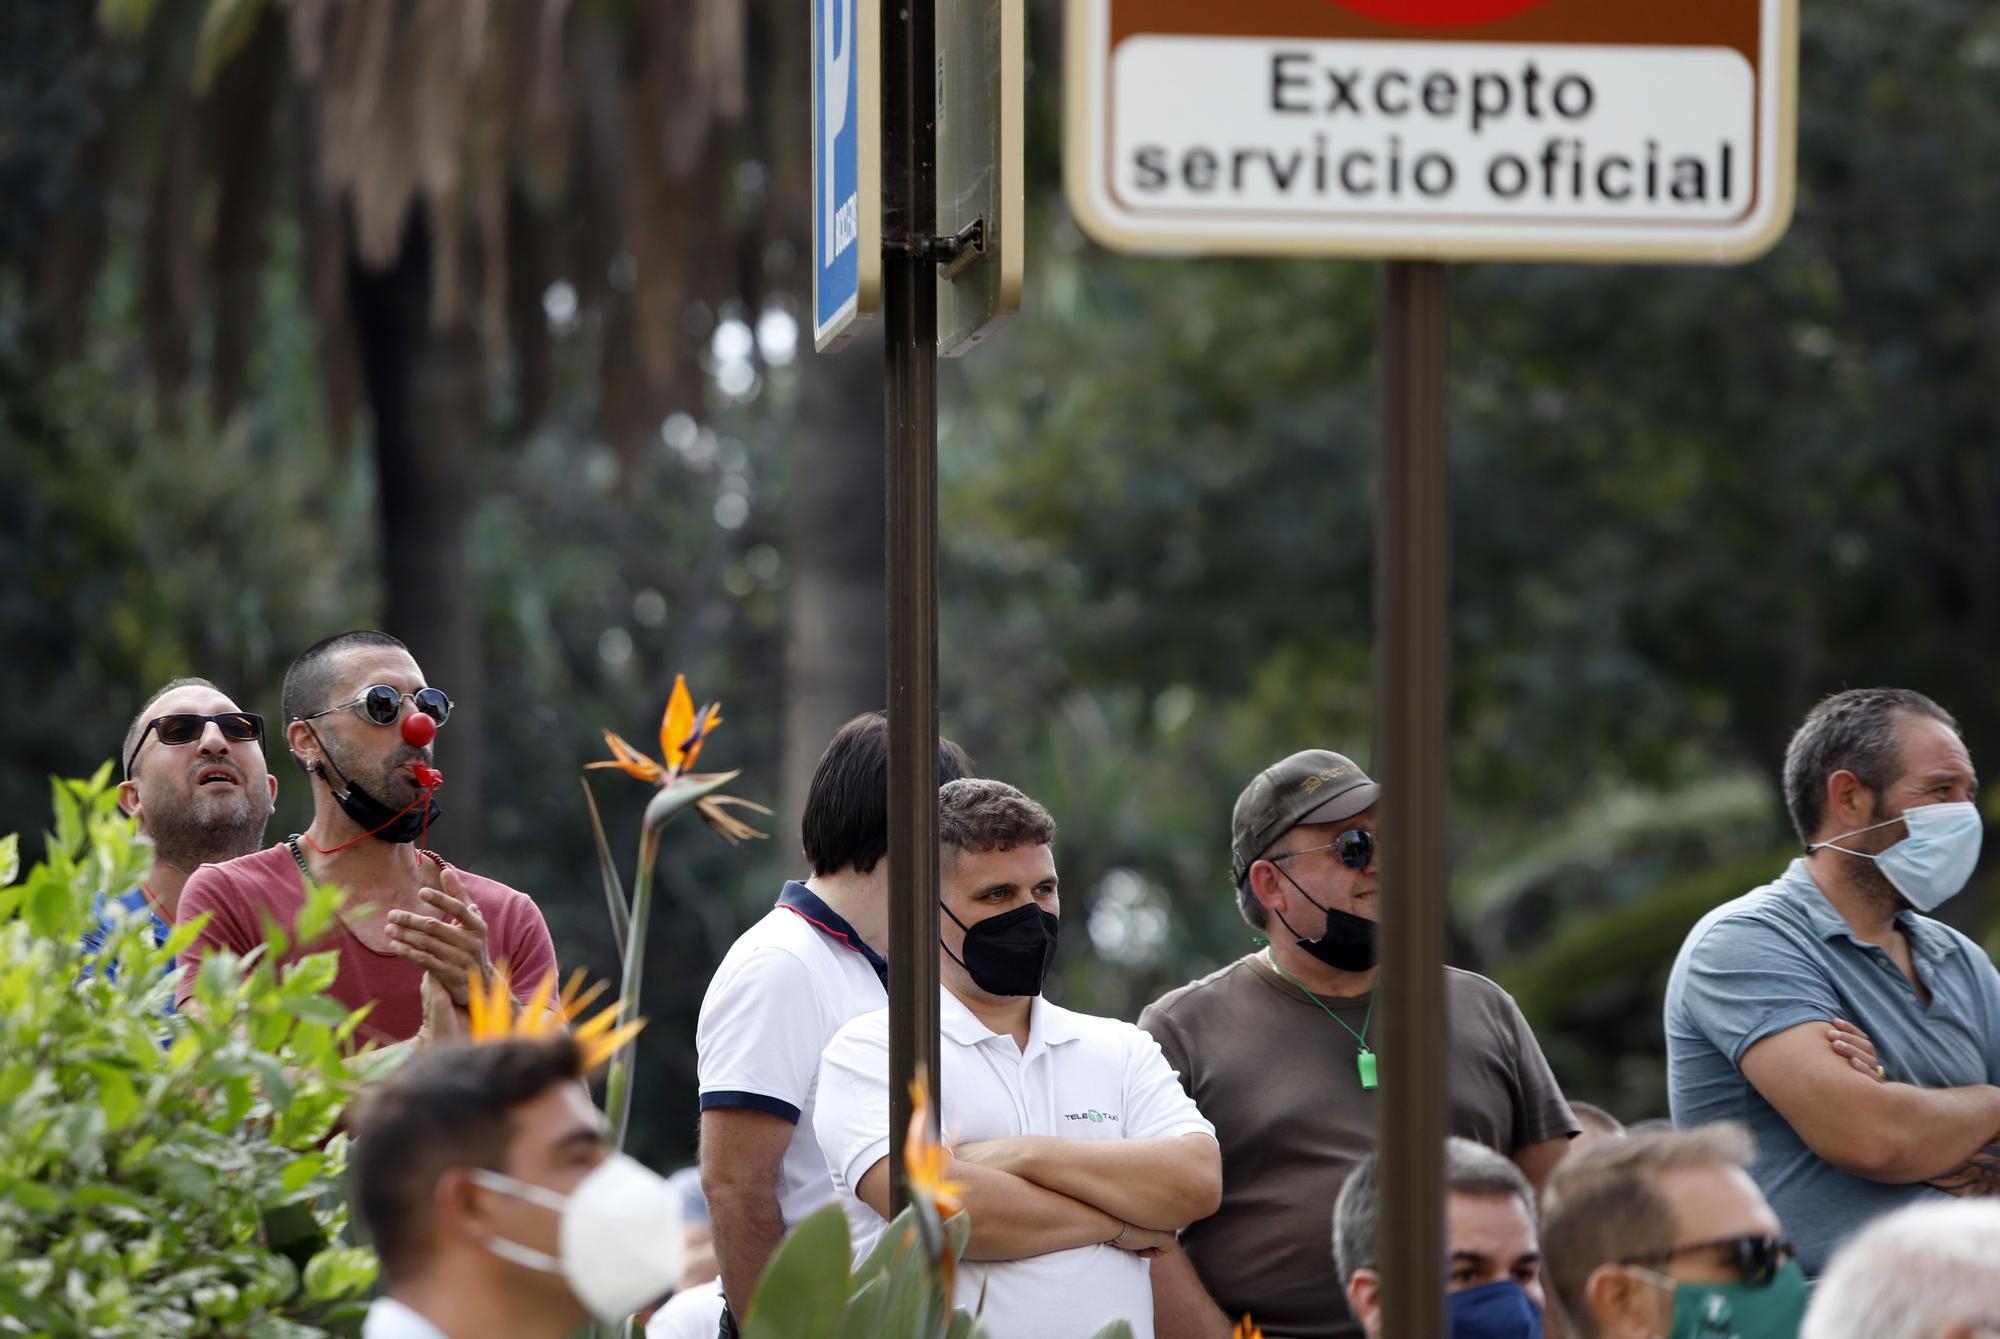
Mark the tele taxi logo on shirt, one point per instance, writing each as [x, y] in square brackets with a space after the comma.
[1093, 1115]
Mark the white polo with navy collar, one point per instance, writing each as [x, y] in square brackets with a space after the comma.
[1080, 1077]
[783, 989]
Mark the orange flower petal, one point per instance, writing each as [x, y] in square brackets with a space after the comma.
[597, 1052]
[676, 723]
[536, 1020]
[602, 1023]
[575, 1000]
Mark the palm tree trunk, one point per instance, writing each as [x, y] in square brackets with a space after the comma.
[426, 390]
[834, 654]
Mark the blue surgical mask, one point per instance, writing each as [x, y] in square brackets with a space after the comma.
[1500, 1310]
[1932, 864]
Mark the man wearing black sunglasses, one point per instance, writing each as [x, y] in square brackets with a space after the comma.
[1663, 1235]
[1277, 1051]
[196, 781]
[415, 933]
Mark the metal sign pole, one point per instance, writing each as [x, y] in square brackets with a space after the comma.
[1412, 565]
[909, 307]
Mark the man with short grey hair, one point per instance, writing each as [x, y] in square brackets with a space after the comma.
[1931, 1271]
[1493, 1263]
[1277, 1048]
[1775, 996]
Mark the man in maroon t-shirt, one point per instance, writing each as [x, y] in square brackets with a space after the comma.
[414, 931]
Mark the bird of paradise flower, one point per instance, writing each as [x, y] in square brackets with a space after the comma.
[932, 1195]
[494, 1017]
[683, 731]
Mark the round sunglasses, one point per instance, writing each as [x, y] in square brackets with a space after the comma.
[380, 703]
[184, 727]
[1354, 848]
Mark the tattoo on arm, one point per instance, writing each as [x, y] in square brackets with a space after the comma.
[1977, 1176]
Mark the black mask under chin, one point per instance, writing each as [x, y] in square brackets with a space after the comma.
[1349, 942]
[1008, 954]
[372, 816]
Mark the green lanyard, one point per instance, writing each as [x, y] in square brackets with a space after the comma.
[1364, 1063]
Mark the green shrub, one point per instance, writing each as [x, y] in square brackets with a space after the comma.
[163, 1175]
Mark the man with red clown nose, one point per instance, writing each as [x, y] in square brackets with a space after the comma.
[415, 933]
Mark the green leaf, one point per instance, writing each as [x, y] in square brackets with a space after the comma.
[302, 1173]
[315, 918]
[864, 1309]
[10, 858]
[69, 819]
[803, 1294]
[117, 1096]
[340, 1271]
[314, 974]
[320, 1009]
[1114, 1329]
[278, 1084]
[614, 889]
[672, 800]
[894, 1240]
[51, 905]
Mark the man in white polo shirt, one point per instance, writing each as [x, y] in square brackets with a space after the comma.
[782, 991]
[1080, 1153]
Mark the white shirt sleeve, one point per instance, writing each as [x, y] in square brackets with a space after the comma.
[851, 1112]
[694, 1313]
[1155, 1102]
[757, 1041]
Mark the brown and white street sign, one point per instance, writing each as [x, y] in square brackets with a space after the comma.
[1451, 129]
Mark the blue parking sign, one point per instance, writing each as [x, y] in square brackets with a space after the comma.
[837, 178]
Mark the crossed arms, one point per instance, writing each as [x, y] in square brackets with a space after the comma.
[1894, 1133]
[1034, 1194]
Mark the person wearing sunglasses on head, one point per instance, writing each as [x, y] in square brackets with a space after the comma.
[1931, 1271]
[1277, 1050]
[1663, 1235]
[415, 932]
[196, 781]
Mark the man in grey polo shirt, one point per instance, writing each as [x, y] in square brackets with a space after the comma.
[1880, 788]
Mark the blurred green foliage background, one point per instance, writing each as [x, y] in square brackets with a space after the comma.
[481, 324]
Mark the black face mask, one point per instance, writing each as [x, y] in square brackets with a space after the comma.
[372, 816]
[1349, 942]
[1008, 954]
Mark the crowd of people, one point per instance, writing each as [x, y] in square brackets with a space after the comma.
[1833, 1061]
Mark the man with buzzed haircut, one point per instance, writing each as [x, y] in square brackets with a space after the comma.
[196, 781]
[416, 932]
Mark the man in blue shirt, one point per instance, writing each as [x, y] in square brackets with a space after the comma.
[196, 780]
[1880, 788]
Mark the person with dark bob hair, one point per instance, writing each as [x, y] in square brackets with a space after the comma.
[782, 991]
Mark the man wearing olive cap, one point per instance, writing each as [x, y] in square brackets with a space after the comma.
[1277, 1049]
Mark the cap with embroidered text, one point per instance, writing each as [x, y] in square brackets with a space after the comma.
[1312, 786]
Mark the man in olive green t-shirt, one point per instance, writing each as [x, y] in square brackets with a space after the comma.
[1275, 1049]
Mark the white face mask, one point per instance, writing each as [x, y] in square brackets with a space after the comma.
[620, 1235]
[1931, 864]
